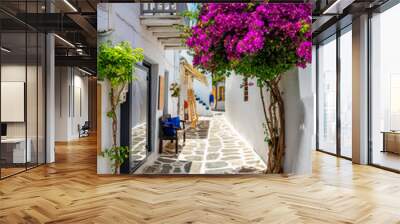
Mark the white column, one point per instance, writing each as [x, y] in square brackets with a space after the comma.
[50, 101]
[298, 88]
[360, 90]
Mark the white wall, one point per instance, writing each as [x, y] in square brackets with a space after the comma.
[177, 79]
[62, 81]
[173, 58]
[123, 20]
[298, 86]
[14, 73]
[80, 82]
[33, 126]
[67, 115]
[103, 164]
[248, 118]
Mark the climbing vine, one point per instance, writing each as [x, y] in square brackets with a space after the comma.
[115, 63]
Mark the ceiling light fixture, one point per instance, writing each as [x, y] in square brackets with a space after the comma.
[65, 41]
[328, 10]
[70, 5]
[337, 7]
[84, 71]
[5, 50]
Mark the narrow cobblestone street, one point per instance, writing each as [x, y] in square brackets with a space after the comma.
[213, 147]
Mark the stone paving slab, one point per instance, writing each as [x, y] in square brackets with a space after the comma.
[217, 150]
[138, 148]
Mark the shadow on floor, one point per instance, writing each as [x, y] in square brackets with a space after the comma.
[200, 132]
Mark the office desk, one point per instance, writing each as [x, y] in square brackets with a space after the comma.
[391, 141]
[13, 150]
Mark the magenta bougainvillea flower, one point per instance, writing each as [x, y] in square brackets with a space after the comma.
[232, 33]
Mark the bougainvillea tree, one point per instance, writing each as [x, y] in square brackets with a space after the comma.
[255, 40]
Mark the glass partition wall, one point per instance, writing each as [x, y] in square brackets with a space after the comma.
[334, 94]
[14, 153]
[385, 89]
[22, 77]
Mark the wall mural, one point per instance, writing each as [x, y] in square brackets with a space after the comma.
[203, 141]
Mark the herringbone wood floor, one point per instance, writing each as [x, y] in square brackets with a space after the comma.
[71, 192]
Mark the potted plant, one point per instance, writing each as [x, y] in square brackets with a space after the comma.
[175, 89]
[256, 40]
[115, 64]
[175, 92]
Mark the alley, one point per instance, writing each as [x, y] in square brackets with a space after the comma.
[213, 147]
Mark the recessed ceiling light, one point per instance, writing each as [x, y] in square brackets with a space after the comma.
[337, 7]
[65, 41]
[70, 5]
[84, 71]
[5, 50]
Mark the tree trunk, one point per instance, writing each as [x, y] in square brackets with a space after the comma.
[114, 118]
[275, 126]
[114, 126]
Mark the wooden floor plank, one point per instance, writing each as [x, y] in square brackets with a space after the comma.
[70, 191]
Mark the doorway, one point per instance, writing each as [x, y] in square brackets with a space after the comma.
[75, 110]
[139, 116]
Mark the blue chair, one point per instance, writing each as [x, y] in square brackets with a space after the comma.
[169, 131]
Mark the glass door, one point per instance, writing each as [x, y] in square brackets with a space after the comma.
[139, 118]
[346, 74]
[327, 96]
[22, 91]
[385, 90]
[334, 94]
[16, 151]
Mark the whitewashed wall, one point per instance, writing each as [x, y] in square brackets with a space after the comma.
[247, 117]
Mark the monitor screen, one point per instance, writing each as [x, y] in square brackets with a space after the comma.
[3, 129]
